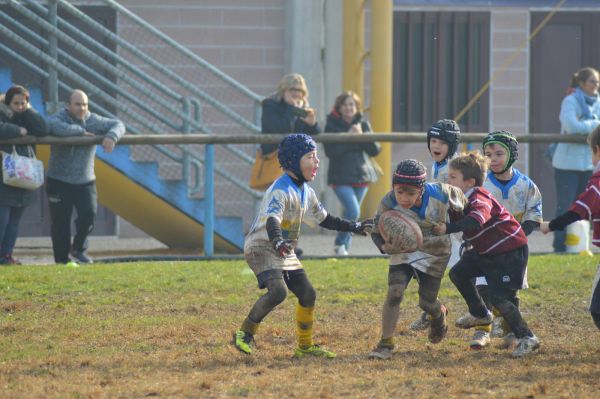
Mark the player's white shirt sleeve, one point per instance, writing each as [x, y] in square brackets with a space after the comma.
[273, 204]
[315, 213]
[521, 197]
[534, 203]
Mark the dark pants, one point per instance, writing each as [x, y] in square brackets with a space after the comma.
[569, 184]
[595, 299]
[10, 216]
[277, 282]
[398, 278]
[62, 198]
[504, 274]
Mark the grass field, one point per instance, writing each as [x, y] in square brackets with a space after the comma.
[164, 330]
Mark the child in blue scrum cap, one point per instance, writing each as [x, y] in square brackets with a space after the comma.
[269, 246]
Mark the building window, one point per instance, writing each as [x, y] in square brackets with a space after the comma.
[441, 60]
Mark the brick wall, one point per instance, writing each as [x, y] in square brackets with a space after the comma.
[243, 39]
[509, 94]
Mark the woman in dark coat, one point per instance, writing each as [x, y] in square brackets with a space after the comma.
[288, 111]
[350, 167]
[17, 119]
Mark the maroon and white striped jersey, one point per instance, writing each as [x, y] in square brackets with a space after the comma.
[498, 230]
[587, 205]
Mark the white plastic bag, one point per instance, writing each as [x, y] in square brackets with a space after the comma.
[22, 171]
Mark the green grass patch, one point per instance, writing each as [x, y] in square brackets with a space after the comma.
[164, 329]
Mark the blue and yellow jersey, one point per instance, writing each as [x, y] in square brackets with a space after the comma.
[520, 196]
[290, 205]
[438, 199]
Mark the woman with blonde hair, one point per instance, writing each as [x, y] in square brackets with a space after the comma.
[288, 110]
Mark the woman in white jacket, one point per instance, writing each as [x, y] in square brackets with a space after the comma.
[579, 114]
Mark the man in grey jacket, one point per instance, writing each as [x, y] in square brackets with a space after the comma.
[71, 178]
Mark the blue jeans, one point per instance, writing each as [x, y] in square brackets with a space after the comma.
[10, 216]
[569, 184]
[351, 197]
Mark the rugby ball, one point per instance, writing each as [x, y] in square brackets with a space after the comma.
[400, 232]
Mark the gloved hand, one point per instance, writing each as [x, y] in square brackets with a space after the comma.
[363, 228]
[283, 247]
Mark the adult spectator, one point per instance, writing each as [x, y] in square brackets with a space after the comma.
[288, 111]
[71, 178]
[17, 119]
[579, 114]
[350, 166]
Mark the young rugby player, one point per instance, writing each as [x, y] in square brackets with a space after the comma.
[498, 252]
[586, 207]
[427, 204]
[269, 246]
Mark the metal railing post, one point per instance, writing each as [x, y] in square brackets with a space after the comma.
[186, 129]
[52, 105]
[258, 122]
[194, 163]
[209, 198]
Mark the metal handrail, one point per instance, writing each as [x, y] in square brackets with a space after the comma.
[203, 63]
[338, 138]
[106, 65]
[133, 99]
[167, 72]
[90, 41]
[103, 111]
[111, 63]
[68, 72]
[210, 141]
[241, 154]
[159, 147]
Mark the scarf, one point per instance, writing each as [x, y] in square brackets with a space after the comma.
[585, 103]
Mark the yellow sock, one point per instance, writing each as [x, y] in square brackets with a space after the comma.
[249, 326]
[505, 326]
[304, 326]
[386, 343]
[487, 328]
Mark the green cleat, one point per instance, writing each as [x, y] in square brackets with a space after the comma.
[314, 350]
[243, 341]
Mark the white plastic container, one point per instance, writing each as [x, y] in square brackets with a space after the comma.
[577, 239]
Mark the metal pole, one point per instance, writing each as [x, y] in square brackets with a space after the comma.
[185, 129]
[340, 138]
[354, 46]
[209, 198]
[52, 52]
[258, 122]
[381, 96]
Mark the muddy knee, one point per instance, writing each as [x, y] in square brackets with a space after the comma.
[276, 292]
[395, 294]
